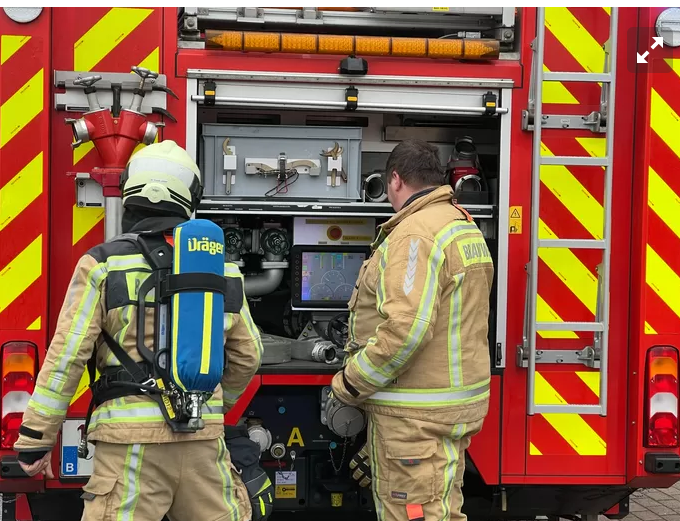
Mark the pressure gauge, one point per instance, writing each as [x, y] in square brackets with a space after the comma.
[23, 15]
[668, 26]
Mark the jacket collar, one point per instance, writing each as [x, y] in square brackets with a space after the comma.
[153, 225]
[418, 201]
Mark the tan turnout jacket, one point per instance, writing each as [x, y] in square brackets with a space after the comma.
[101, 295]
[419, 315]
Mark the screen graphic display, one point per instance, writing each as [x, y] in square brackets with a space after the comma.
[329, 276]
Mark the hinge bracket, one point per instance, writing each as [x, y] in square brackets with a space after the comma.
[588, 356]
[593, 121]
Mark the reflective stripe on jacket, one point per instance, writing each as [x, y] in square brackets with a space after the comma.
[418, 325]
[102, 295]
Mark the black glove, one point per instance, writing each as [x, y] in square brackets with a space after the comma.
[245, 455]
[360, 465]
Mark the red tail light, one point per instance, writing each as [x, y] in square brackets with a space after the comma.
[661, 397]
[19, 368]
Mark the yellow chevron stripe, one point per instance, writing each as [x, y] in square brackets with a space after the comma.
[595, 146]
[649, 330]
[663, 280]
[591, 379]
[83, 385]
[20, 273]
[573, 195]
[21, 191]
[567, 266]
[544, 313]
[533, 450]
[35, 325]
[556, 92]
[80, 152]
[10, 44]
[19, 110]
[84, 219]
[607, 10]
[575, 38]
[105, 35]
[665, 122]
[572, 427]
[674, 63]
[152, 61]
[663, 200]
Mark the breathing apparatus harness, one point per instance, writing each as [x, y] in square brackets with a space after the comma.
[181, 408]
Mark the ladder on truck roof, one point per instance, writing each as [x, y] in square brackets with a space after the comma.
[528, 355]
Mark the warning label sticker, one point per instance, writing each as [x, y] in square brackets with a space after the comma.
[285, 492]
[515, 221]
[286, 477]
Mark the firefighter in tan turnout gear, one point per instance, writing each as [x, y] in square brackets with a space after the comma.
[418, 360]
[143, 470]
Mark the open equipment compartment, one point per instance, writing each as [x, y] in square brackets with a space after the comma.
[322, 167]
[282, 159]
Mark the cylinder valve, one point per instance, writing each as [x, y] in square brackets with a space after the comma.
[278, 450]
[261, 436]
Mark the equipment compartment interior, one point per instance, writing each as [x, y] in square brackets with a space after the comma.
[260, 230]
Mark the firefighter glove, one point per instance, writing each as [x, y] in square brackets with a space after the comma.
[261, 494]
[360, 466]
[245, 455]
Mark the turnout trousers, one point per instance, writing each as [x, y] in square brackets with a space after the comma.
[186, 480]
[418, 467]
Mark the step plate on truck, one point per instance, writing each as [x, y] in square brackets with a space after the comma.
[71, 465]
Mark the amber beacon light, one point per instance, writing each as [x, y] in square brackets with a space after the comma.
[445, 48]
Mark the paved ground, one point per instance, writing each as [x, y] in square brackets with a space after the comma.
[655, 504]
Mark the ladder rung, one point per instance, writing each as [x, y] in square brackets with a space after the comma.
[574, 161]
[567, 408]
[569, 326]
[583, 244]
[577, 76]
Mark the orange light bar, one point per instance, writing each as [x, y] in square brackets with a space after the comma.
[246, 41]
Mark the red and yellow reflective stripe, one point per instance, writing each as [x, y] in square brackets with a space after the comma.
[662, 274]
[567, 434]
[92, 48]
[119, 38]
[571, 208]
[22, 177]
[571, 204]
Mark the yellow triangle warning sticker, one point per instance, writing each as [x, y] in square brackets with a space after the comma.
[515, 220]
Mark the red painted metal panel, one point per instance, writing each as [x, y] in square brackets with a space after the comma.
[178, 108]
[513, 441]
[485, 447]
[235, 413]
[297, 379]
[649, 228]
[24, 238]
[563, 454]
[553, 479]
[99, 39]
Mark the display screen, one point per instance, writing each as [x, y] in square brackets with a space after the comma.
[329, 276]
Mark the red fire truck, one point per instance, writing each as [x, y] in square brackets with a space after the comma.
[291, 113]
